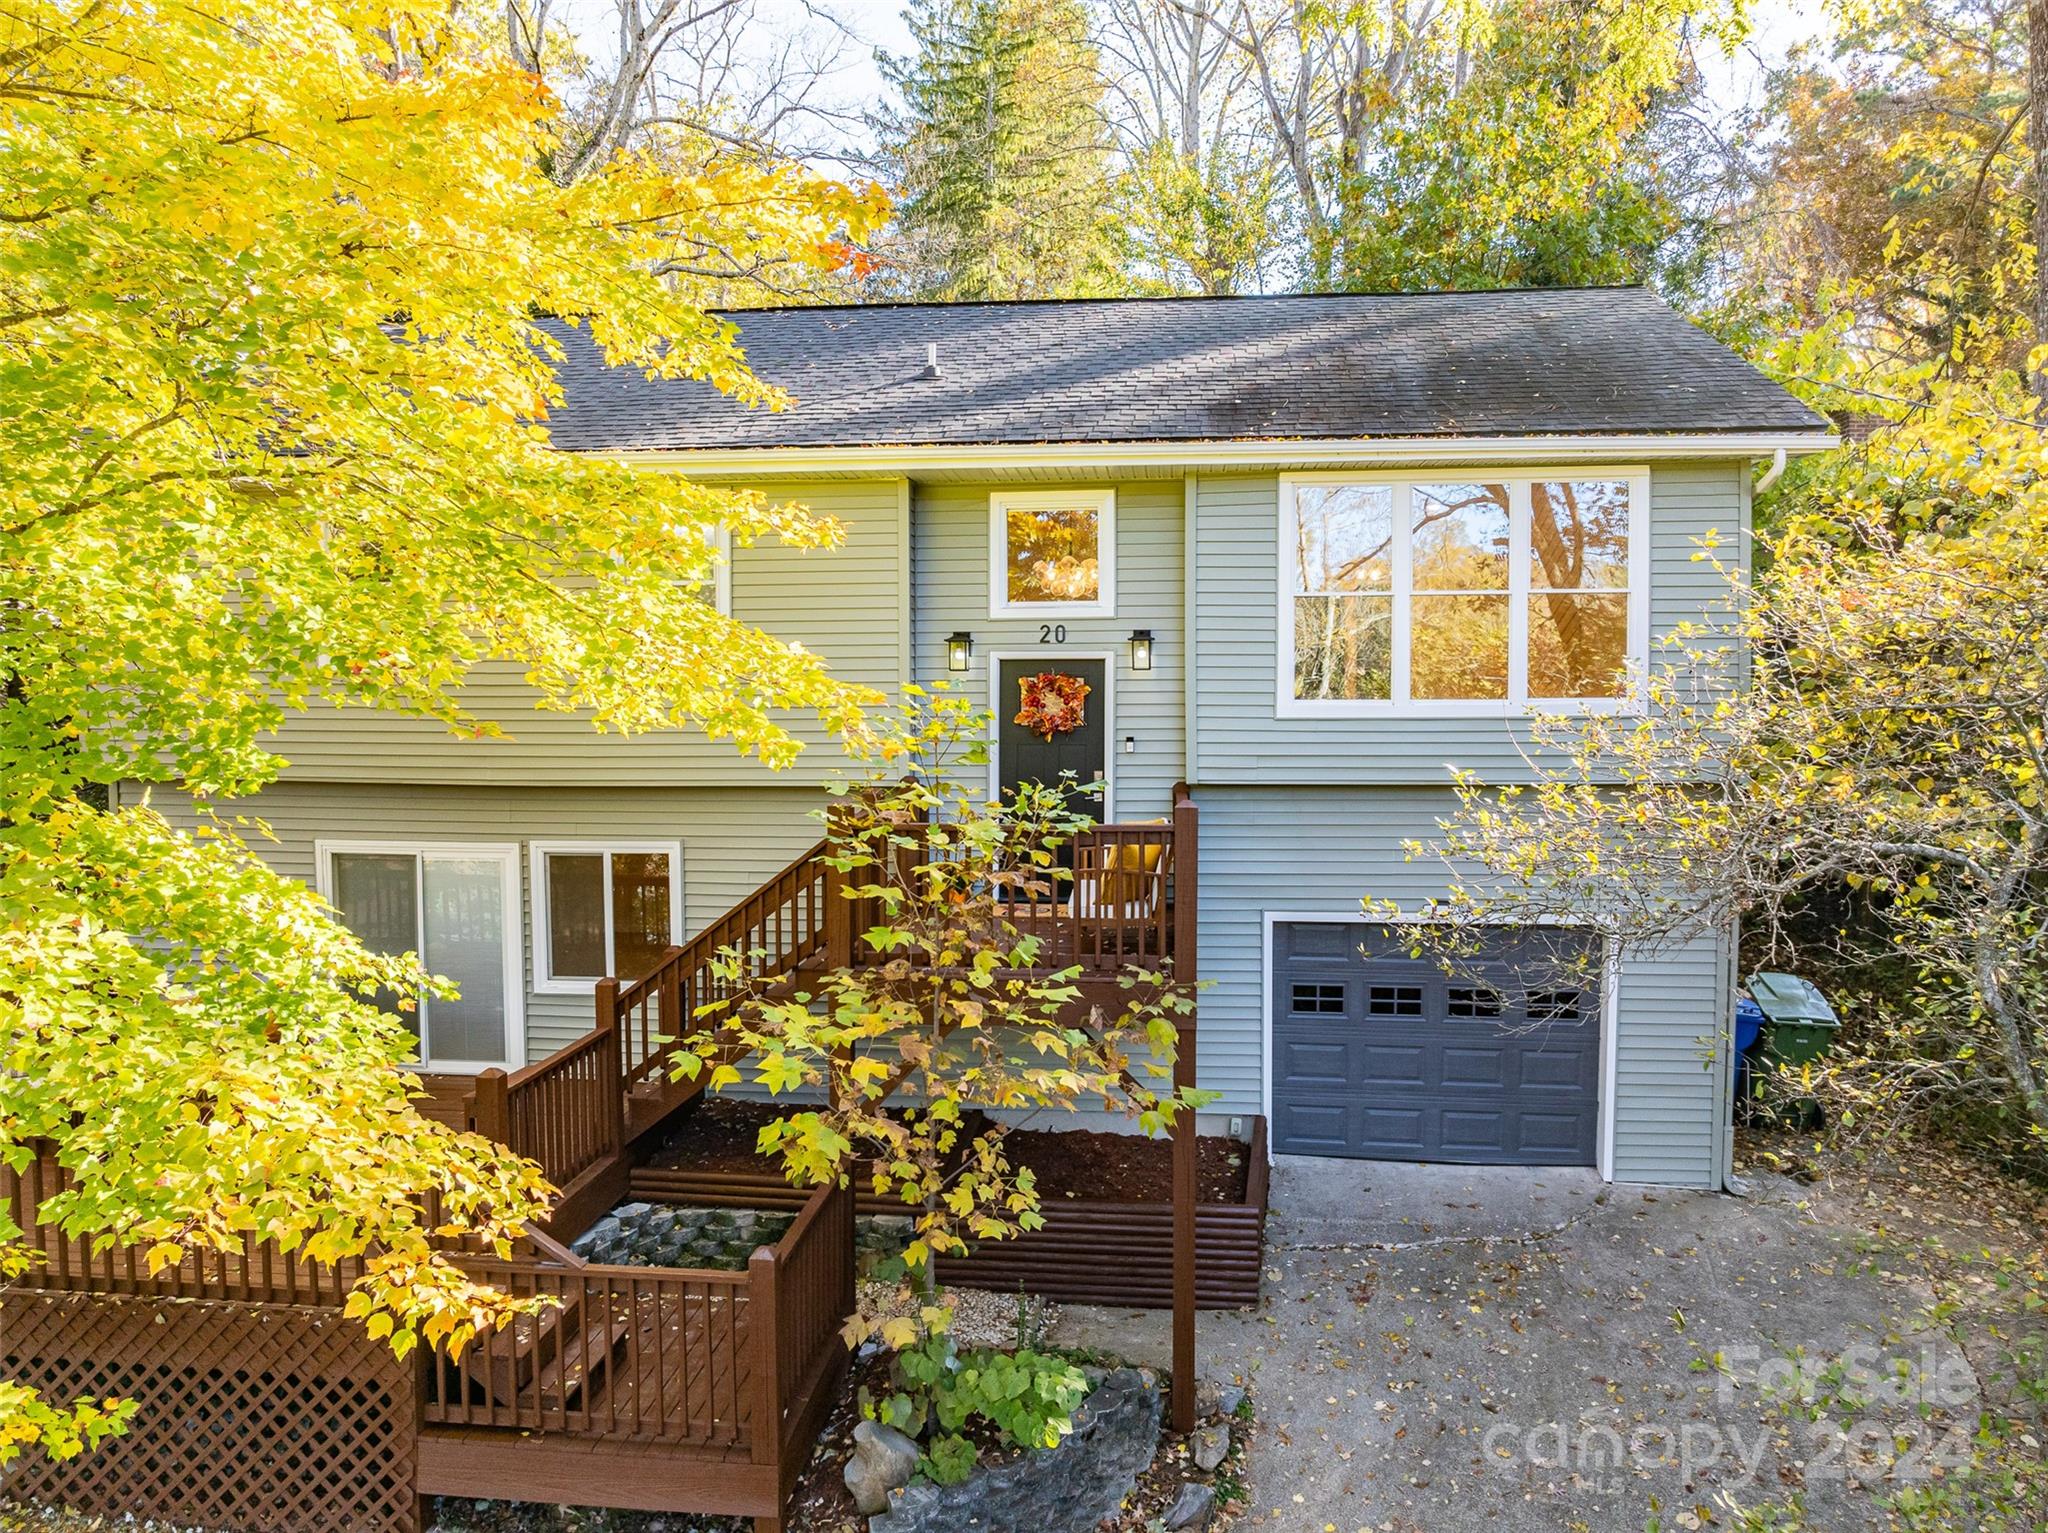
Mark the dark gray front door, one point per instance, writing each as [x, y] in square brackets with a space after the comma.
[1380, 1056]
[1022, 756]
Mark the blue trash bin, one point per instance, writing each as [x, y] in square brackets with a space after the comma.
[1749, 1024]
[1749, 1027]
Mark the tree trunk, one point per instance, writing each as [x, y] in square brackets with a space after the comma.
[2037, 144]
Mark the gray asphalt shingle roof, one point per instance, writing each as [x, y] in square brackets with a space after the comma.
[1534, 363]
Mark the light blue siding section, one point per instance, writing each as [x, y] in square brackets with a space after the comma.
[1241, 739]
[1320, 851]
[951, 558]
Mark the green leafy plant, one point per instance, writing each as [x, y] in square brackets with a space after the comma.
[1028, 1397]
[950, 1459]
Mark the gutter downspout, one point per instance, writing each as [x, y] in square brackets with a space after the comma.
[1771, 474]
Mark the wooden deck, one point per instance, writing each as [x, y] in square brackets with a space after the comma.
[655, 1389]
[648, 1388]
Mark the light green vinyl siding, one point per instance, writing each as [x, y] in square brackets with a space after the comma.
[732, 838]
[845, 604]
[1319, 851]
[1241, 739]
[951, 594]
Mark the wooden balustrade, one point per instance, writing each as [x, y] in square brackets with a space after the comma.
[562, 1111]
[805, 1287]
[643, 1354]
[774, 929]
[660, 1354]
[258, 1273]
[1130, 902]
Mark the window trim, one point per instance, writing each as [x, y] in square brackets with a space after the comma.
[1001, 503]
[545, 981]
[721, 574]
[1401, 592]
[506, 854]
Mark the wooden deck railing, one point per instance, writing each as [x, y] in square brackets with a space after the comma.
[684, 1356]
[777, 926]
[564, 1111]
[1119, 908]
[647, 1354]
[259, 1273]
[1130, 902]
[803, 1290]
[681, 1356]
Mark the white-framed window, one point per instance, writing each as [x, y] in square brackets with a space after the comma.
[455, 904]
[1455, 593]
[602, 909]
[720, 592]
[1052, 553]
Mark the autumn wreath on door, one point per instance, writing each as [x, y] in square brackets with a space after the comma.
[1053, 703]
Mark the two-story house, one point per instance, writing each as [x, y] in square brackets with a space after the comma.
[1306, 553]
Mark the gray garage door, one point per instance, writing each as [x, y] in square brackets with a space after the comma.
[1381, 1056]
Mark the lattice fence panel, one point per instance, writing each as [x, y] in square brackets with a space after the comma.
[269, 1419]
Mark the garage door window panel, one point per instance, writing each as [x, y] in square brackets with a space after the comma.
[1318, 1000]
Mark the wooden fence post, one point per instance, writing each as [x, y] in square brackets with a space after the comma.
[1186, 872]
[612, 1078]
[493, 1111]
[762, 1331]
[838, 920]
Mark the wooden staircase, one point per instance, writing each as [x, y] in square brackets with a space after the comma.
[558, 1355]
[580, 1111]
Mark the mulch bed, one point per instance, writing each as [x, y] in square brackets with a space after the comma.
[720, 1134]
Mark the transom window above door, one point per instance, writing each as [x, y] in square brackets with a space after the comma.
[1052, 553]
[1447, 594]
[602, 909]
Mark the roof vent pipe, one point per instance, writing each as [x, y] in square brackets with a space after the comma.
[931, 359]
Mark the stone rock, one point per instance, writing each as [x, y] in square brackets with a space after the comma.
[1068, 1489]
[1228, 1399]
[1211, 1447]
[1193, 1508]
[883, 1460]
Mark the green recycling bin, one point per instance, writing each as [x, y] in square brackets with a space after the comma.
[1799, 1025]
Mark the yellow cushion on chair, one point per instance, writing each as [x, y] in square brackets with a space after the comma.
[1129, 873]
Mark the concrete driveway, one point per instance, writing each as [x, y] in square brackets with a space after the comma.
[1450, 1348]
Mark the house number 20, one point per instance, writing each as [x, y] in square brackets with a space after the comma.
[1052, 633]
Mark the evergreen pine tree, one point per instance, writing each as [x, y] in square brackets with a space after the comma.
[997, 153]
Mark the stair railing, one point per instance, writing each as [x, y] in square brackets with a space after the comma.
[776, 927]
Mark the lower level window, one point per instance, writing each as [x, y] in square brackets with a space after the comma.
[457, 907]
[602, 910]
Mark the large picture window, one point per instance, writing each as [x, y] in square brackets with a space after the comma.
[602, 909]
[1052, 553]
[457, 907]
[1446, 594]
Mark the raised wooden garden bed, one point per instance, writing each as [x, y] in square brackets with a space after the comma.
[1116, 1252]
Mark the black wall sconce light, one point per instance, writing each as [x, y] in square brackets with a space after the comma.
[958, 647]
[1141, 649]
